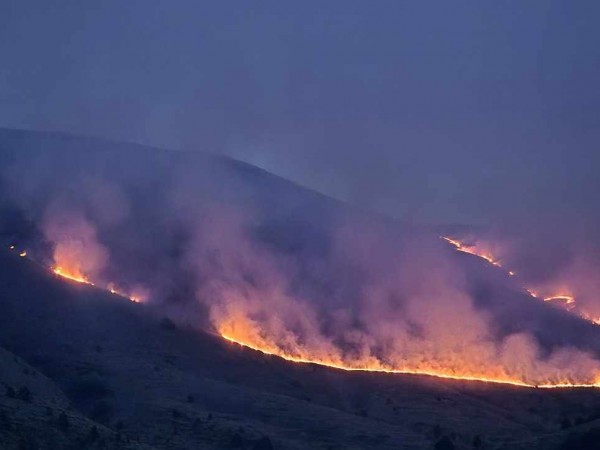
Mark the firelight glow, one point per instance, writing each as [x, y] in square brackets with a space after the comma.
[566, 300]
[360, 367]
[472, 250]
[71, 275]
[79, 278]
[236, 332]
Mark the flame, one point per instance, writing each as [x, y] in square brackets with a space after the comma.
[566, 300]
[22, 253]
[136, 298]
[73, 275]
[473, 250]
[78, 277]
[482, 363]
[110, 287]
[594, 320]
[243, 337]
[378, 367]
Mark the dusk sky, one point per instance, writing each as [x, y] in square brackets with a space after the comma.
[430, 111]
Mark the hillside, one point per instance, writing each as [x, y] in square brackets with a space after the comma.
[141, 376]
[36, 414]
[157, 374]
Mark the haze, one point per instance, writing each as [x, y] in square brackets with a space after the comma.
[475, 113]
[281, 225]
[430, 111]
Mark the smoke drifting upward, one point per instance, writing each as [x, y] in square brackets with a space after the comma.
[77, 253]
[287, 271]
[410, 311]
[566, 281]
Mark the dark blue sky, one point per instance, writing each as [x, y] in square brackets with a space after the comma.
[430, 110]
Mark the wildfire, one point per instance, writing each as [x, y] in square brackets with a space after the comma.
[595, 320]
[491, 375]
[136, 298]
[472, 250]
[71, 275]
[566, 300]
[377, 367]
[110, 287]
[74, 274]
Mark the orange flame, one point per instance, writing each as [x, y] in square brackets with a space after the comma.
[377, 367]
[245, 337]
[472, 250]
[78, 277]
[71, 275]
[566, 300]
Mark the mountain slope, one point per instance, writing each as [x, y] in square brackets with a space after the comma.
[298, 258]
[138, 374]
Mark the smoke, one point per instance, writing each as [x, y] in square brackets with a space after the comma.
[408, 311]
[77, 251]
[553, 260]
[232, 249]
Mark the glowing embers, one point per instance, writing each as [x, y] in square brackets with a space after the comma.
[136, 297]
[22, 253]
[374, 367]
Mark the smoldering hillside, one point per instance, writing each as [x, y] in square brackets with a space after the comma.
[214, 245]
[228, 248]
[97, 371]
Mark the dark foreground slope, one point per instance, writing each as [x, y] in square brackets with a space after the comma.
[36, 414]
[118, 368]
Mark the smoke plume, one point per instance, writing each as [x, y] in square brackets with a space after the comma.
[234, 250]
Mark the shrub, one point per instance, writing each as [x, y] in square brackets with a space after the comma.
[10, 392]
[168, 324]
[264, 443]
[586, 441]
[24, 394]
[63, 422]
[444, 444]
